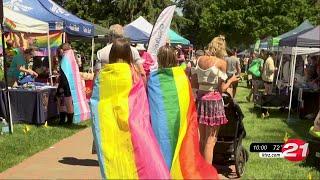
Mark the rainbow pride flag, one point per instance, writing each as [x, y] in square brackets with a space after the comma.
[71, 70]
[126, 145]
[174, 121]
[41, 41]
[9, 24]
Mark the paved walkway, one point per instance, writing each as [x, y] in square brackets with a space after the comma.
[70, 158]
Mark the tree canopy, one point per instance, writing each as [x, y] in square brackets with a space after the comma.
[242, 22]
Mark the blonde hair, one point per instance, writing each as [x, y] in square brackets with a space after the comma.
[117, 30]
[217, 47]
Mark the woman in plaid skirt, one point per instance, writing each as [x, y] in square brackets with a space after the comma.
[211, 77]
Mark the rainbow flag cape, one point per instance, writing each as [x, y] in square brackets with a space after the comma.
[71, 70]
[174, 121]
[126, 145]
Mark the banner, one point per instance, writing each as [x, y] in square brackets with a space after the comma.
[159, 33]
[26, 40]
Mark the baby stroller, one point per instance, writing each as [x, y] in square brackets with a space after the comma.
[228, 149]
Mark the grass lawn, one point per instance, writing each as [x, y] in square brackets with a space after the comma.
[272, 129]
[20, 145]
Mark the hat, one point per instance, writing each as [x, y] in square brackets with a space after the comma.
[140, 47]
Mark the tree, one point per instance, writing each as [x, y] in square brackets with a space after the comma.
[242, 22]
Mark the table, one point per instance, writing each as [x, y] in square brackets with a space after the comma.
[30, 106]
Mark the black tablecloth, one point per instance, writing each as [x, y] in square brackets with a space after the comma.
[310, 103]
[30, 106]
[274, 100]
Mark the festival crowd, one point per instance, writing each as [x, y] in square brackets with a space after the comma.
[131, 101]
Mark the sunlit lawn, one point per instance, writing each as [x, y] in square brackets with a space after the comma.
[18, 146]
[272, 129]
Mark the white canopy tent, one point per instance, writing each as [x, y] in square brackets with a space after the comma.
[294, 52]
[17, 22]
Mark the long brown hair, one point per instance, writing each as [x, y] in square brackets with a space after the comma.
[167, 57]
[120, 51]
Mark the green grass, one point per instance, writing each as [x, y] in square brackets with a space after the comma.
[1, 74]
[272, 129]
[19, 145]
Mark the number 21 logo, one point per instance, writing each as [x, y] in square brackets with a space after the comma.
[295, 150]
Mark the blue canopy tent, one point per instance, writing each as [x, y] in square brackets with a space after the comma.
[72, 24]
[56, 16]
[34, 9]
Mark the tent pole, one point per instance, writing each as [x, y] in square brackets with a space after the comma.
[49, 59]
[7, 105]
[64, 37]
[92, 53]
[280, 66]
[293, 69]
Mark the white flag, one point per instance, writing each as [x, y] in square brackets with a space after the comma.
[159, 34]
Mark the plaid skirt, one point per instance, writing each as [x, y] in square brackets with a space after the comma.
[210, 108]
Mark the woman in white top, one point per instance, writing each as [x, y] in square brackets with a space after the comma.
[211, 76]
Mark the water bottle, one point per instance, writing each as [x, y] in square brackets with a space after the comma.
[4, 126]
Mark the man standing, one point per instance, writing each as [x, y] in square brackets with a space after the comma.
[255, 70]
[268, 73]
[233, 68]
[103, 54]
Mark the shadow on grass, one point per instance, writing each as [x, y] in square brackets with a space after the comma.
[241, 102]
[79, 162]
[273, 113]
[67, 126]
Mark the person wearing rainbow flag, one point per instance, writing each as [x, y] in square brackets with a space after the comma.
[174, 119]
[124, 140]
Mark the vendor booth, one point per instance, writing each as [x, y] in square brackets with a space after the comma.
[303, 43]
[58, 18]
[27, 105]
[50, 12]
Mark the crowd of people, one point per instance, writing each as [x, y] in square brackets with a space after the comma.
[211, 72]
